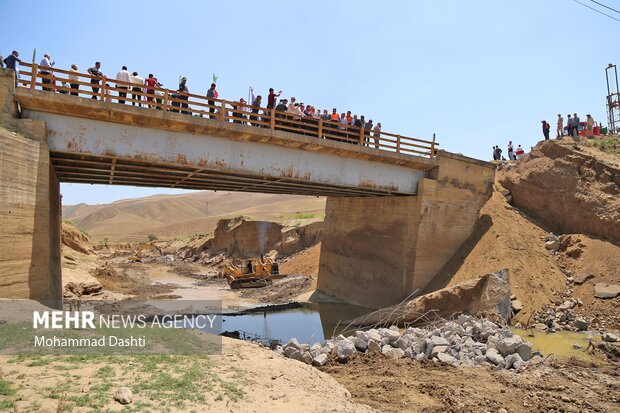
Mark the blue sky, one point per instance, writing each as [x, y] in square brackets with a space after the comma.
[477, 73]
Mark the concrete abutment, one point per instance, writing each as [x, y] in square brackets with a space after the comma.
[377, 251]
[30, 211]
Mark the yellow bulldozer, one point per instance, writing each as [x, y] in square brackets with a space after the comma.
[251, 273]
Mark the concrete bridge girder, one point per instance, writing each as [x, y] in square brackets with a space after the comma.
[68, 134]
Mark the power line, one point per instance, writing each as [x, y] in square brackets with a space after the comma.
[598, 11]
[607, 7]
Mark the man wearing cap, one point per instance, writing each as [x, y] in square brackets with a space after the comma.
[46, 70]
[560, 128]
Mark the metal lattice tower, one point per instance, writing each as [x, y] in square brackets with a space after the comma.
[613, 98]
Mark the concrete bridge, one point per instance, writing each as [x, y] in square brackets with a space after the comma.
[397, 209]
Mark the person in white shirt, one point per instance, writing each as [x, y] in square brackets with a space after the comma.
[73, 80]
[377, 134]
[137, 83]
[511, 152]
[46, 69]
[123, 76]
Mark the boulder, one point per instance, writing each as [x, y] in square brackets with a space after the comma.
[123, 395]
[580, 279]
[396, 353]
[524, 350]
[552, 245]
[494, 357]
[362, 335]
[294, 343]
[516, 306]
[436, 350]
[306, 357]
[374, 347]
[513, 359]
[610, 338]
[289, 350]
[360, 344]
[446, 358]
[605, 290]
[488, 294]
[437, 341]
[83, 288]
[508, 345]
[320, 360]
[567, 305]
[373, 335]
[344, 349]
[581, 324]
[390, 334]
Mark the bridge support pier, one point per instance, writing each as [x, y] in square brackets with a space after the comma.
[30, 212]
[377, 251]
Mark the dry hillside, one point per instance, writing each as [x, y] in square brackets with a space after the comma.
[565, 185]
[168, 216]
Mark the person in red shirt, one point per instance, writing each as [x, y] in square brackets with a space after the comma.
[150, 83]
[271, 99]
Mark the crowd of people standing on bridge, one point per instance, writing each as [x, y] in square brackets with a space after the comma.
[302, 118]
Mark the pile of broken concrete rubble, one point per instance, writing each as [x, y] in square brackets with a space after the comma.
[560, 317]
[467, 341]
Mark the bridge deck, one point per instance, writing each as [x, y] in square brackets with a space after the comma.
[77, 164]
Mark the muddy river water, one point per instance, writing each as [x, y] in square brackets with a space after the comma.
[313, 322]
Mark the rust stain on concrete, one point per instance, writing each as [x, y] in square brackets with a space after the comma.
[220, 163]
[372, 185]
[181, 158]
[72, 145]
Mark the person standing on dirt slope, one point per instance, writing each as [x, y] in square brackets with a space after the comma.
[497, 153]
[569, 125]
[589, 126]
[545, 128]
[511, 151]
[520, 152]
[575, 125]
[560, 129]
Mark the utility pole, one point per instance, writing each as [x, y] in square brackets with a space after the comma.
[613, 98]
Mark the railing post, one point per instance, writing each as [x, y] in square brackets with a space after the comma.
[272, 121]
[398, 144]
[433, 146]
[33, 80]
[362, 136]
[103, 88]
[223, 111]
[165, 108]
[320, 128]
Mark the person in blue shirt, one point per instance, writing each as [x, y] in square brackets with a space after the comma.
[11, 63]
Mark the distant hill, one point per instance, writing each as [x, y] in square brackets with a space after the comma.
[169, 216]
